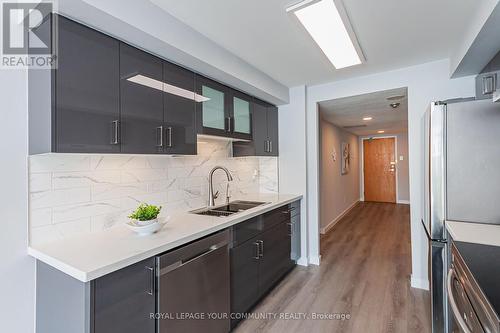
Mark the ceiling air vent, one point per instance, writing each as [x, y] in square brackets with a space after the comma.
[354, 126]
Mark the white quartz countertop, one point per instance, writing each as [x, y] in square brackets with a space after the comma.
[89, 256]
[487, 234]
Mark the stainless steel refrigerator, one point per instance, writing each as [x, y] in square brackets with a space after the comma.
[461, 181]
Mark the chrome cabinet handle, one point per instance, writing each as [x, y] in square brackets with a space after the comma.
[265, 146]
[288, 211]
[169, 136]
[115, 132]
[151, 280]
[228, 119]
[270, 146]
[261, 246]
[453, 304]
[159, 136]
[257, 248]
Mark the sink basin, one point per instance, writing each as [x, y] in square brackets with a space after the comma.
[229, 209]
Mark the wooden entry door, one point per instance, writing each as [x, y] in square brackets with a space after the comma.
[379, 169]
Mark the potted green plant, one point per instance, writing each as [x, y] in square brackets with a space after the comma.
[145, 214]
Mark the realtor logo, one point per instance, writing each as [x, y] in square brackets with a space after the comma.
[26, 35]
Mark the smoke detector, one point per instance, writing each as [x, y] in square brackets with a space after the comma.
[395, 105]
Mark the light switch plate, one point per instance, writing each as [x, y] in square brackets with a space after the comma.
[401, 157]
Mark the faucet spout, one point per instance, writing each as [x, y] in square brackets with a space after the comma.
[211, 195]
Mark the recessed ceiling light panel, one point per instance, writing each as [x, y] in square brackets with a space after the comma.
[327, 23]
[367, 118]
[380, 131]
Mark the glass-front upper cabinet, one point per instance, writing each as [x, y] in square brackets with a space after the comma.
[241, 115]
[212, 107]
[223, 111]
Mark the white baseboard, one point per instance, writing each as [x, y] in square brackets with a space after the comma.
[330, 225]
[302, 261]
[404, 202]
[419, 283]
[315, 260]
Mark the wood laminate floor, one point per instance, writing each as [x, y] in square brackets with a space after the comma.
[365, 273]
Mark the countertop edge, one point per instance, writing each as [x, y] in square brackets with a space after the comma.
[86, 276]
[479, 233]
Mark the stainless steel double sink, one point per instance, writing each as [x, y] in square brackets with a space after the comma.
[232, 207]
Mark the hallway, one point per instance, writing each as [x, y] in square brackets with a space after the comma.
[364, 272]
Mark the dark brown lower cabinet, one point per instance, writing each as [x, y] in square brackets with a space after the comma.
[275, 256]
[245, 262]
[124, 300]
[258, 263]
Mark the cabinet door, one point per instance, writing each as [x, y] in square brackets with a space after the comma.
[244, 276]
[241, 116]
[141, 101]
[259, 116]
[272, 130]
[213, 110]
[275, 251]
[124, 300]
[180, 110]
[87, 90]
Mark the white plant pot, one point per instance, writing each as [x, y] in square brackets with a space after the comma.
[143, 223]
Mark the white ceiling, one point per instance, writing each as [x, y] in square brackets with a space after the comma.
[392, 34]
[349, 111]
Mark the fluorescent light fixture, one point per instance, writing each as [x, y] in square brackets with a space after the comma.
[327, 23]
[168, 88]
[367, 118]
[380, 132]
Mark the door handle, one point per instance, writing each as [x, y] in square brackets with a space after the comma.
[270, 146]
[228, 120]
[159, 136]
[169, 136]
[115, 132]
[151, 280]
[265, 146]
[257, 248]
[261, 246]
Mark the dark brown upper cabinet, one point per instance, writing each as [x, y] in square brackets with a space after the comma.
[105, 96]
[179, 110]
[223, 111]
[75, 108]
[141, 109]
[265, 132]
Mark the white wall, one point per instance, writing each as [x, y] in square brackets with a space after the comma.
[425, 83]
[338, 192]
[292, 162]
[17, 270]
[403, 172]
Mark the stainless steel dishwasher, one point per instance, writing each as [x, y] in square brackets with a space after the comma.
[193, 287]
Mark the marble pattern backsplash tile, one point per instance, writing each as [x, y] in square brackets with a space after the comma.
[78, 193]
